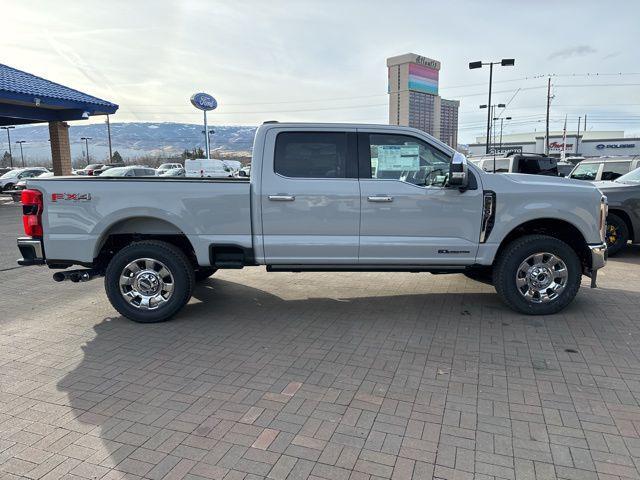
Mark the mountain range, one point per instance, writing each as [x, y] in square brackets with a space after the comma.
[131, 140]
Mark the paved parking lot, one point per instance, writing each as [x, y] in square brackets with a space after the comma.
[332, 376]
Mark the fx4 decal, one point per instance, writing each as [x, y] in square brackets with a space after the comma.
[73, 197]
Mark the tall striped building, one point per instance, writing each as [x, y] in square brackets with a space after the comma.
[414, 99]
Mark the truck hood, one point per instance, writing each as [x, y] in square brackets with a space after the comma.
[547, 180]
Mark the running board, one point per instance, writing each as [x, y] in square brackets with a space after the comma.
[366, 268]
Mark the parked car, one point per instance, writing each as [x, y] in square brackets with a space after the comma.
[173, 172]
[245, 171]
[322, 197]
[90, 169]
[168, 166]
[530, 163]
[207, 168]
[9, 179]
[623, 220]
[604, 168]
[16, 192]
[130, 171]
[104, 168]
[4, 170]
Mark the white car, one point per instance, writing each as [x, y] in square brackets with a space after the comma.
[9, 179]
[165, 167]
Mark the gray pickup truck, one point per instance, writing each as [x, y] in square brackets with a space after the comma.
[321, 197]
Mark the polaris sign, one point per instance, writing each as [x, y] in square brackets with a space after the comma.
[602, 146]
[204, 101]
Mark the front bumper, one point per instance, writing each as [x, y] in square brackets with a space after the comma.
[598, 256]
[31, 250]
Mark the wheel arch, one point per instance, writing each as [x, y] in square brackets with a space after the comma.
[554, 227]
[125, 231]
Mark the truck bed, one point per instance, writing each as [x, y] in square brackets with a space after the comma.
[79, 213]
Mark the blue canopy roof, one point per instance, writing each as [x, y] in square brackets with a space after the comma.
[27, 98]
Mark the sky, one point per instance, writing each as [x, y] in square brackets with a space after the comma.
[326, 60]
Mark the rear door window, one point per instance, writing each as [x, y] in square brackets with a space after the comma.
[613, 170]
[311, 154]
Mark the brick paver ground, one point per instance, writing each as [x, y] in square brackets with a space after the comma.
[326, 376]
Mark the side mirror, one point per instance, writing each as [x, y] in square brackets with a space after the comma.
[458, 176]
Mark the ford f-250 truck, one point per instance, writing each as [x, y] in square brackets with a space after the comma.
[321, 197]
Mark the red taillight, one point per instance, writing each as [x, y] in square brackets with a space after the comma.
[32, 212]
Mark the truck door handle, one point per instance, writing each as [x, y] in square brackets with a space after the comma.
[380, 198]
[282, 198]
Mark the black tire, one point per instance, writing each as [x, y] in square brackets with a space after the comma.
[617, 234]
[508, 264]
[480, 274]
[7, 187]
[175, 261]
[205, 272]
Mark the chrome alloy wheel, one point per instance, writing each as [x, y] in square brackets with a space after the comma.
[542, 277]
[146, 284]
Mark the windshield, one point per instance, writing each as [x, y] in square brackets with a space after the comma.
[115, 172]
[93, 166]
[585, 171]
[11, 174]
[631, 177]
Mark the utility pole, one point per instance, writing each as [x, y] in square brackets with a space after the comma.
[109, 135]
[9, 140]
[578, 138]
[546, 138]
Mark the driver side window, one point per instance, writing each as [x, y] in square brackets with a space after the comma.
[408, 159]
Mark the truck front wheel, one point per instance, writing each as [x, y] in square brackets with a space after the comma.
[149, 281]
[537, 275]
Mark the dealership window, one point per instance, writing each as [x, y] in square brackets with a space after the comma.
[311, 154]
[409, 159]
[613, 170]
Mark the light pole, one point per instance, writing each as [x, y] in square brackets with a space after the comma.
[86, 142]
[9, 140]
[505, 62]
[21, 153]
[502, 119]
[491, 114]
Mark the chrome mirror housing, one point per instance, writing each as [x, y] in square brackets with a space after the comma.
[458, 175]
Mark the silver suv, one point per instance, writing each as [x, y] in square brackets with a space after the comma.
[604, 168]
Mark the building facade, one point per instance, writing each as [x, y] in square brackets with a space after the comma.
[589, 144]
[414, 99]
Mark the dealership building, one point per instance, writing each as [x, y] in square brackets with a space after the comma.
[586, 144]
[414, 99]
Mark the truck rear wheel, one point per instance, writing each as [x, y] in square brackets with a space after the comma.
[537, 275]
[149, 281]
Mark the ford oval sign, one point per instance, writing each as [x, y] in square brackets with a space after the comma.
[203, 101]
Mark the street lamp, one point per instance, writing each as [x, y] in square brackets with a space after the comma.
[505, 62]
[491, 131]
[21, 153]
[86, 142]
[9, 141]
[502, 119]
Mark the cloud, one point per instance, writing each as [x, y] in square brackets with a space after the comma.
[578, 51]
